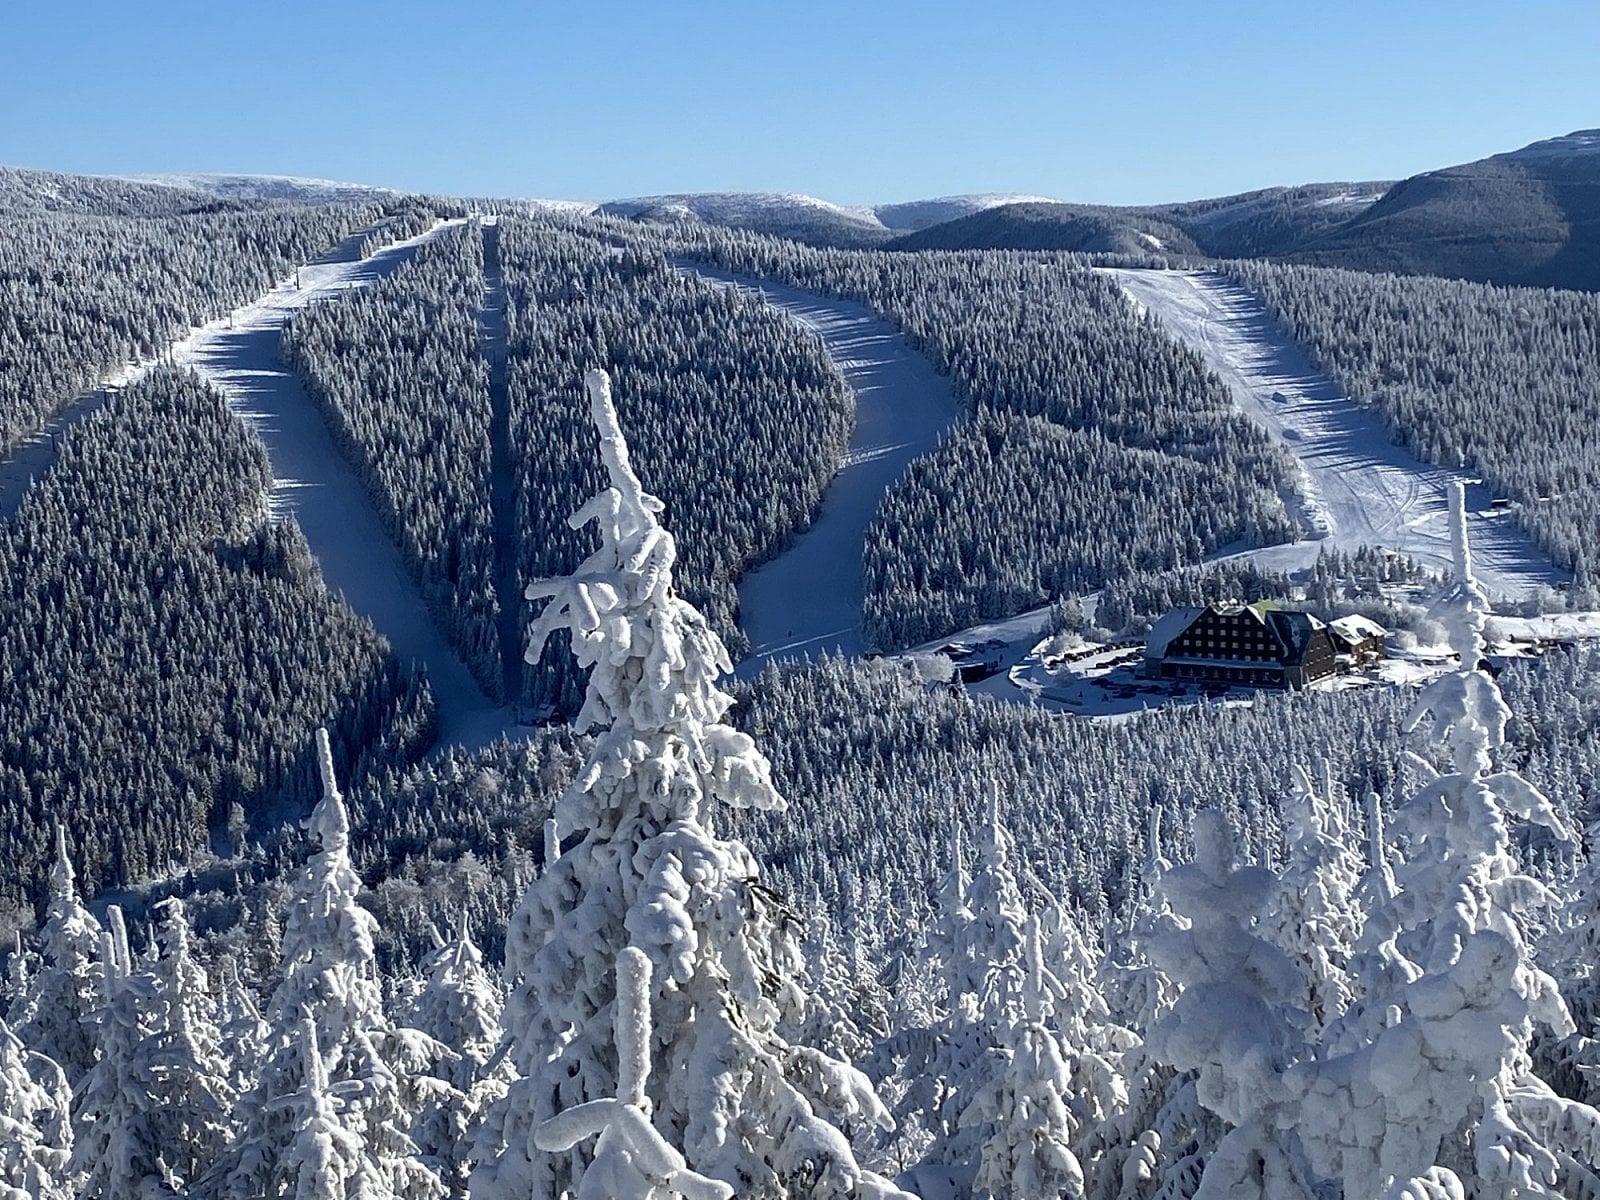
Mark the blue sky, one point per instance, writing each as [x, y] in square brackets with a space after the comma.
[863, 102]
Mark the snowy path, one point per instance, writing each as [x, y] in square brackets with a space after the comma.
[313, 483]
[807, 601]
[1357, 486]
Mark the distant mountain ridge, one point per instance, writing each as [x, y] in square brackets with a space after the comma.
[1258, 224]
[1527, 217]
[807, 218]
[264, 187]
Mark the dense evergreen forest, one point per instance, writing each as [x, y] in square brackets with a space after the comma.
[167, 651]
[843, 924]
[939, 969]
[739, 417]
[1087, 421]
[1504, 381]
[82, 293]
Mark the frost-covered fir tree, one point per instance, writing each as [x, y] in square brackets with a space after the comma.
[65, 993]
[1315, 918]
[116, 1151]
[329, 979]
[323, 1158]
[1231, 1024]
[459, 1006]
[1093, 1043]
[1027, 1106]
[647, 871]
[632, 1161]
[1572, 951]
[187, 1067]
[244, 1031]
[1434, 1080]
[998, 927]
[35, 1124]
[1157, 1144]
[977, 948]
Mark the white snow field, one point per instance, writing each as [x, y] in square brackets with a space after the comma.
[1355, 487]
[807, 601]
[313, 483]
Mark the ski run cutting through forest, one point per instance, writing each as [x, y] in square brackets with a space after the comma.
[313, 483]
[807, 601]
[1356, 487]
[502, 471]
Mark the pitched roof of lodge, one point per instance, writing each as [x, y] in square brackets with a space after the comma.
[1169, 627]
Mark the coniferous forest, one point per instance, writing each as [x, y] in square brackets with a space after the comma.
[840, 927]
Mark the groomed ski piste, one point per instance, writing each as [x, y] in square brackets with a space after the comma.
[807, 601]
[312, 482]
[1355, 487]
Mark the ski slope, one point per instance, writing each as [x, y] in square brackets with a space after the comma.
[807, 601]
[314, 484]
[1355, 487]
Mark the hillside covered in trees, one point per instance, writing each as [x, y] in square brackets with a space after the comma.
[846, 930]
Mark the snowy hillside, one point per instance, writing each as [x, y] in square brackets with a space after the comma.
[1580, 141]
[911, 215]
[806, 217]
[786, 214]
[265, 187]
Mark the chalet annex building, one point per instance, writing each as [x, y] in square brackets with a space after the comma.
[1260, 645]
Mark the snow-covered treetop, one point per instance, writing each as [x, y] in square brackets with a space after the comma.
[329, 823]
[653, 660]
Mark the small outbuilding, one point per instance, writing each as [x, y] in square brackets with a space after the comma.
[1361, 638]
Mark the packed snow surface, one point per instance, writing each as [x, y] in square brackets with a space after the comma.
[807, 601]
[1355, 487]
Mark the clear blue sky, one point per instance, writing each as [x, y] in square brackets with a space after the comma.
[858, 102]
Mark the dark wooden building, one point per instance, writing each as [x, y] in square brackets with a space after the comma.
[1257, 645]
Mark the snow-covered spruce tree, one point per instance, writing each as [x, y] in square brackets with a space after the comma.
[1094, 1044]
[632, 1161]
[1314, 918]
[994, 937]
[244, 1031]
[1027, 1105]
[35, 1124]
[949, 940]
[1156, 1145]
[115, 1151]
[193, 1115]
[979, 947]
[66, 992]
[1571, 949]
[1231, 1023]
[920, 1053]
[459, 1006]
[1426, 1083]
[323, 1158]
[329, 979]
[744, 1107]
